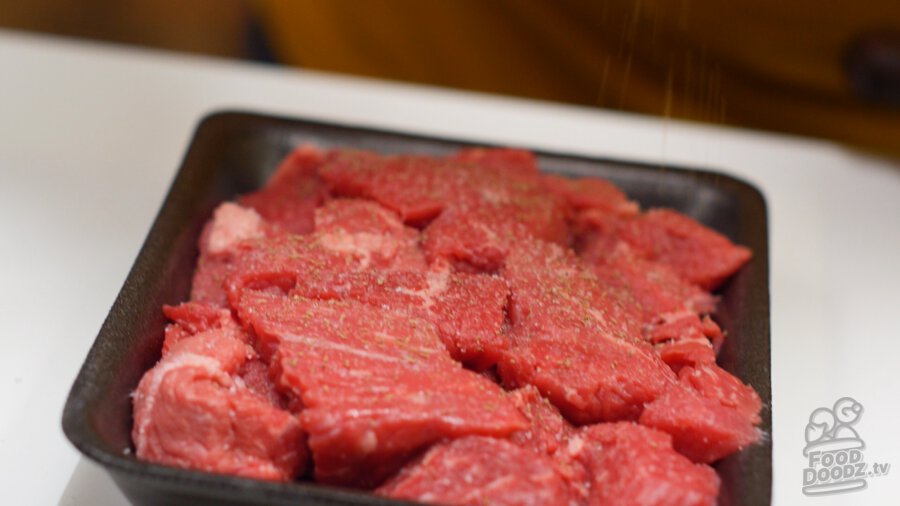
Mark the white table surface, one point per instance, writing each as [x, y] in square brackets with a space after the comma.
[91, 135]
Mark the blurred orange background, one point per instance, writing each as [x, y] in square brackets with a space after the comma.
[825, 69]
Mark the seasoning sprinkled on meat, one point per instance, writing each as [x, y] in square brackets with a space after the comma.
[461, 329]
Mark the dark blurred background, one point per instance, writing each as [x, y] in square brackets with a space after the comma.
[828, 69]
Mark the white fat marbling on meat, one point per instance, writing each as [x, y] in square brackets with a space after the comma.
[147, 397]
[360, 245]
[437, 281]
[231, 225]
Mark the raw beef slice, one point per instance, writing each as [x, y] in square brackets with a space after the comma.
[668, 307]
[467, 309]
[713, 382]
[591, 193]
[365, 228]
[282, 261]
[477, 232]
[697, 253]
[550, 434]
[548, 430]
[478, 470]
[192, 410]
[291, 195]
[652, 289]
[416, 187]
[701, 428]
[482, 201]
[515, 162]
[230, 225]
[495, 210]
[420, 187]
[631, 465]
[191, 318]
[573, 342]
[361, 251]
[376, 386]
[710, 413]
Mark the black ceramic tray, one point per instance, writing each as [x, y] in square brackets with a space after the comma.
[233, 153]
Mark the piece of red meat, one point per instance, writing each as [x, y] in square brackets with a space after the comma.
[683, 338]
[478, 231]
[652, 289]
[579, 193]
[467, 309]
[479, 208]
[591, 193]
[190, 318]
[668, 307]
[516, 162]
[277, 262]
[683, 325]
[229, 225]
[470, 315]
[496, 210]
[710, 413]
[280, 262]
[702, 428]
[276, 265]
[475, 471]
[376, 387]
[219, 344]
[713, 382]
[358, 216]
[595, 233]
[208, 284]
[697, 253]
[550, 434]
[420, 187]
[255, 375]
[290, 197]
[365, 228]
[475, 239]
[573, 342]
[547, 430]
[712, 331]
[686, 352]
[192, 411]
[631, 465]
[416, 187]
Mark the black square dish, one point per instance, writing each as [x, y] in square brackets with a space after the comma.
[234, 153]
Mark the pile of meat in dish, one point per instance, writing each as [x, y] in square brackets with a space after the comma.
[461, 330]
